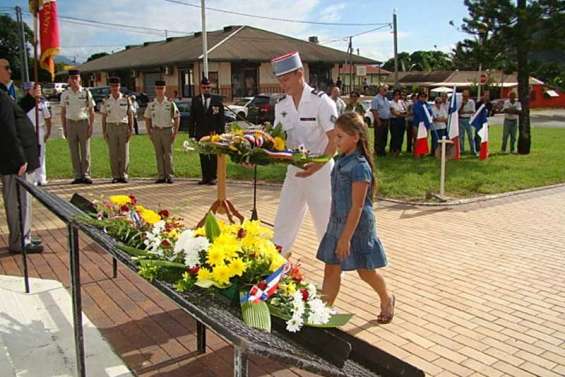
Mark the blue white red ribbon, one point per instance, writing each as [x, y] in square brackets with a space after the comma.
[257, 294]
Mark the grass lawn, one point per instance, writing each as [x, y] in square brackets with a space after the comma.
[403, 177]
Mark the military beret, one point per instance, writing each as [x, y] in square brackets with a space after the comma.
[160, 83]
[205, 81]
[114, 80]
[286, 63]
[74, 72]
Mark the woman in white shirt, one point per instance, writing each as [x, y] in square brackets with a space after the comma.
[399, 112]
[439, 124]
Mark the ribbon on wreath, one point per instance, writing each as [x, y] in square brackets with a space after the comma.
[266, 288]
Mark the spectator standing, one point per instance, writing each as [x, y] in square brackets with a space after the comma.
[511, 109]
[40, 174]
[339, 103]
[409, 101]
[380, 107]
[397, 123]
[354, 105]
[439, 124]
[466, 111]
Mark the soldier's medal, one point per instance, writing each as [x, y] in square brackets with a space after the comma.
[215, 109]
[284, 113]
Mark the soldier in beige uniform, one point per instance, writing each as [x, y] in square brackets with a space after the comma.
[117, 124]
[162, 123]
[77, 117]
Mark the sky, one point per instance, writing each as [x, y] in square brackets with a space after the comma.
[422, 24]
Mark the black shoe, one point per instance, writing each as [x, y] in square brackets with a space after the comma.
[211, 182]
[77, 181]
[169, 180]
[115, 180]
[30, 249]
[123, 180]
[160, 180]
[87, 181]
[36, 240]
[202, 182]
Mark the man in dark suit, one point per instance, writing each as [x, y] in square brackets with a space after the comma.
[19, 154]
[206, 118]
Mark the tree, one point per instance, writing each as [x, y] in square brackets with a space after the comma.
[10, 43]
[507, 34]
[421, 61]
[96, 56]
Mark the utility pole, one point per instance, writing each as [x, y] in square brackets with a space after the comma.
[204, 40]
[23, 51]
[350, 53]
[395, 36]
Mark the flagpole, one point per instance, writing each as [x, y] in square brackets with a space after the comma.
[36, 70]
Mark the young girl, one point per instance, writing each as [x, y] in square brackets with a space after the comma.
[351, 242]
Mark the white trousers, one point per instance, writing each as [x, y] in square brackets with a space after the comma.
[297, 193]
[40, 174]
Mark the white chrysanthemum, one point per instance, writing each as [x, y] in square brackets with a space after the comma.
[312, 291]
[153, 239]
[293, 325]
[319, 313]
[191, 246]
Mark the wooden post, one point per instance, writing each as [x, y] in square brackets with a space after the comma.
[222, 204]
[443, 143]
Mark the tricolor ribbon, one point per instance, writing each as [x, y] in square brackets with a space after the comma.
[257, 294]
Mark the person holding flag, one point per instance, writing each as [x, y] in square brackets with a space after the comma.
[453, 124]
[422, 123]
[479, 120]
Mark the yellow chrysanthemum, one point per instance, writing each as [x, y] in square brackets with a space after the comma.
[288, 289]
[228, 244]
[221, 274]
[254, 228]
[173, 234]
[120, 200]
[237, 267]
[215, 255]
[204, 275]
[277, 262]
[200, 232]
[149, 216]
[215, 138]
[279, 144]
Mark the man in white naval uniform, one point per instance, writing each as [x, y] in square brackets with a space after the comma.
[308, 117]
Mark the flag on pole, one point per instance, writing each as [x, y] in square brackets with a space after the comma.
[46, 11]
[453, 124]
[479, 120]
[423, 119]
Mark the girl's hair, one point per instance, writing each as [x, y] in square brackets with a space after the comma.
[353, 124]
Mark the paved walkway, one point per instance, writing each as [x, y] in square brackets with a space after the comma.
[480, 288]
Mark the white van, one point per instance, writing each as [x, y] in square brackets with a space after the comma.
[54, 89]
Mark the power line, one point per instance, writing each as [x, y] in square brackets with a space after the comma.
[345, 38]
[273, 18]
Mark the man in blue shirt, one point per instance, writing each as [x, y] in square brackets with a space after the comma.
[380, 107]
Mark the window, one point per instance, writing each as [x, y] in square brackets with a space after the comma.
[245, 80]
[214, 85]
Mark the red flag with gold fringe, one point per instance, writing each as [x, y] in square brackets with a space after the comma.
[46, 11]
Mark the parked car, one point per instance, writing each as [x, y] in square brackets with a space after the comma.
[262, 108]
[99, 93]
[240, 106]
[184, 110]
[53, 89]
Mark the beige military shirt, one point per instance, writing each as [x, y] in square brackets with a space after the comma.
[77, 104]
[116, 109]
[162, 114]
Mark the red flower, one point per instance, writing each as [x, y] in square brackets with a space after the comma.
[305, 294]
[262, 285]
[124, 208]
[164, 213]
[194, 270]
[241, 233]
[296, 274]
[166, 244]
[133, 199]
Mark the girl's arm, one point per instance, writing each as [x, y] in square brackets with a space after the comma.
[358, 194]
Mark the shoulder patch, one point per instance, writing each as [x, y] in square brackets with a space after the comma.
[281, 99]
[317, 92]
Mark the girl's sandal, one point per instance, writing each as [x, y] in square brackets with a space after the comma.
[384, 319]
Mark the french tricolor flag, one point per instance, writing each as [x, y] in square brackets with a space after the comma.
[479, 120]
[453, 124]
[423, 119]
